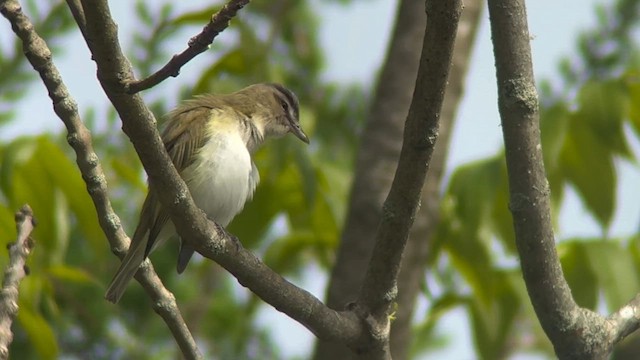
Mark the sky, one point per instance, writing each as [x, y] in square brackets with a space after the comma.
[355, 37]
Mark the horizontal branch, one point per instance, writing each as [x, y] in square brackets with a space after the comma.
[197, 45]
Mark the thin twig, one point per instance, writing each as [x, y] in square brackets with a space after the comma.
[14, 273]
[78, 15]
[197, 45]
[79, 138]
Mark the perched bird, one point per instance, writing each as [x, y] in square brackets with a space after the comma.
[210, 140]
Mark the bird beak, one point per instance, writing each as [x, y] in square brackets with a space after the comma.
[297, 131]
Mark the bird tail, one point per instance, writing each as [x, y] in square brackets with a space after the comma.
[128, 268]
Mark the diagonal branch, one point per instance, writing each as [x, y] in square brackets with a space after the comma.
[197, 45]
[379, 289]
[625, 321]
[15, 272]
[210, 240]
[79, 138]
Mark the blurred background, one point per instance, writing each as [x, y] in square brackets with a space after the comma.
[471, 302]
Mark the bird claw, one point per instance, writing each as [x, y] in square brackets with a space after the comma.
[234, 239]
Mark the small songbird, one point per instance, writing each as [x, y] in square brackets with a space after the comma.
[210, 140]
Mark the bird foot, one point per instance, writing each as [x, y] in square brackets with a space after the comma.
[234, 239]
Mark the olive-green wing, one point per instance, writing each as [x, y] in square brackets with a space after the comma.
[184, 135]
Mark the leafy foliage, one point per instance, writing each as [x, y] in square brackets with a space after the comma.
[296, 215]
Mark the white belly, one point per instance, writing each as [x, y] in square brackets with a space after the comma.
[222, 178]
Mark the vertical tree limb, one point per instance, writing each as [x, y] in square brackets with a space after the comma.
[576, 333]
[421, 132]
[378, 155]
[13, 275]
[414, 262]
[376, 160]
[528, 186]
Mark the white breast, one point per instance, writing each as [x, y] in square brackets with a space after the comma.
[222, 177]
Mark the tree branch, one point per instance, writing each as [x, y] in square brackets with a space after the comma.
[528, 187]
[625, 321]
[209, 239]
[419, 245]
[377, 156]
[14, 273]
[576, 333]
[421, 131]
[197, 45]
[79, 138]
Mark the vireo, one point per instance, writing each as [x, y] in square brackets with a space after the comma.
[210, 140]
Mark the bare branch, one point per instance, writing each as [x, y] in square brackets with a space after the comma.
[79, 138]
[114, 72]
[528, 187]
[197, 45]
[13, 275]
[78, 15]
[420, 243]
[626, 320]
[421, 131]
[576, 333]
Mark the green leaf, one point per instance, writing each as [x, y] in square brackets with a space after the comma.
[471, 259]
[72, 274]
[15, 153]
[234, 62]
[603, 107]
[579, 273]
[633, 87]
[65, 175]
[554, 122]
[284, 254]
[425, 336]
[129, 173]
[589, 166]
[473, 190]
[40, 334]
[492, 322]
[200, 17]
[614, 267]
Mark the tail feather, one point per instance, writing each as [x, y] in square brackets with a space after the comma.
[128, 268]
[186, 252]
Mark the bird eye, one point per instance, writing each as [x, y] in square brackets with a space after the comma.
[285, 106]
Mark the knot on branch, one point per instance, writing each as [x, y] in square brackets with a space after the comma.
[521, 93]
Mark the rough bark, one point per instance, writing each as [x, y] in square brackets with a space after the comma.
[377, 158]
[414, 263]
[376, 161]
[576, 333]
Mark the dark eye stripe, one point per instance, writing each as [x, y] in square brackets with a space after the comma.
[289, 97]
